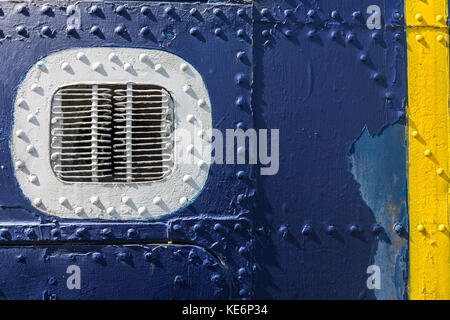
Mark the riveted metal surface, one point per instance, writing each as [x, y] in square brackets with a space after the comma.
[313, 69]
[134, 271]
[332, 206]
[141, 25]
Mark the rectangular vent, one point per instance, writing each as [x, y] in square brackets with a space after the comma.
[111, 133]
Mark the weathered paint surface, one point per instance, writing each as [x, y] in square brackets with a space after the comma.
[313, 76]
[313, 70]
[428, 175]
[378, 164]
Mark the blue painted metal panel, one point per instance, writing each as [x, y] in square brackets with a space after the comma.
[308, 232]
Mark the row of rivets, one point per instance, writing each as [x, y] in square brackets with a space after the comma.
[96, 66]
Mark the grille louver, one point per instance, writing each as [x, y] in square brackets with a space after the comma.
[111, 133]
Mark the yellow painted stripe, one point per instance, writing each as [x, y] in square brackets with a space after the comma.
[428, 149]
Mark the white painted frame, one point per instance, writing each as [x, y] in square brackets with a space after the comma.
[30, 138]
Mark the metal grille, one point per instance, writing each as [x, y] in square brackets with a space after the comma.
[111, 133]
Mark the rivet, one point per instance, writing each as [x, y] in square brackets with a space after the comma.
[127, 67]
[414, 134]
[71, 30]
[240, 175]
[240, 101]
[54, 156]
[419, 37]
[20, 133]
[79, 210]
[439, 171]
[97, 66]
[120, 29]
[186, 178]
[419, 17]
[201, 163]
[55, 233]
[240, 33]
[190, 118]
[158, 67]
[30, 118]
[94, 10]
[376, 76]
[142, 210]
[265, 12]
[306, 230]
[190, 148]
[240, 78]
[287, 33]
[420, 228]
[81, 56]
[32, 178]
[183, 67]
[21, 102]
[19, 164]
[144, 58]
[240, 55]
[186, 88]
[241, 12]
[21, 30]
[353, 229]
[356, 14]
[311, 13]
[35, 87]
[334, 14]
[331, 229]
[334, 34]
[95, 30]
[427, 153]
[145, 10]
[441, 228]
[62, 200]
[22, 8]
[157, 200]
[376, 228]
[217, 31]
[376, 35]
[178, 279]
[95, 199]
[201, 102]
[311, 34]
[37, 202]
[145, 31]
[131, 233]
[440, 38]
[169, 10]
[30, 148]
[350, 37]
[217, 11]
[46, 9]
[97, 257]
[66, 67]
[125, 199]
[183, 200]
[110, 210]
[288, 12]
[41, 65]
[120, 10]
[439, 18]
[398, 228]
[194, 31]
[45, 30]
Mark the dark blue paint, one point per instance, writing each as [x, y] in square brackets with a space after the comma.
[318, 77]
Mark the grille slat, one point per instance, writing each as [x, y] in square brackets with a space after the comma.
[111, 133]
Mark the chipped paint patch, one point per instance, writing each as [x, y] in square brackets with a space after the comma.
[378, 165]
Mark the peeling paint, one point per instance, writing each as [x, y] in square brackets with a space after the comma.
[378, 164]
